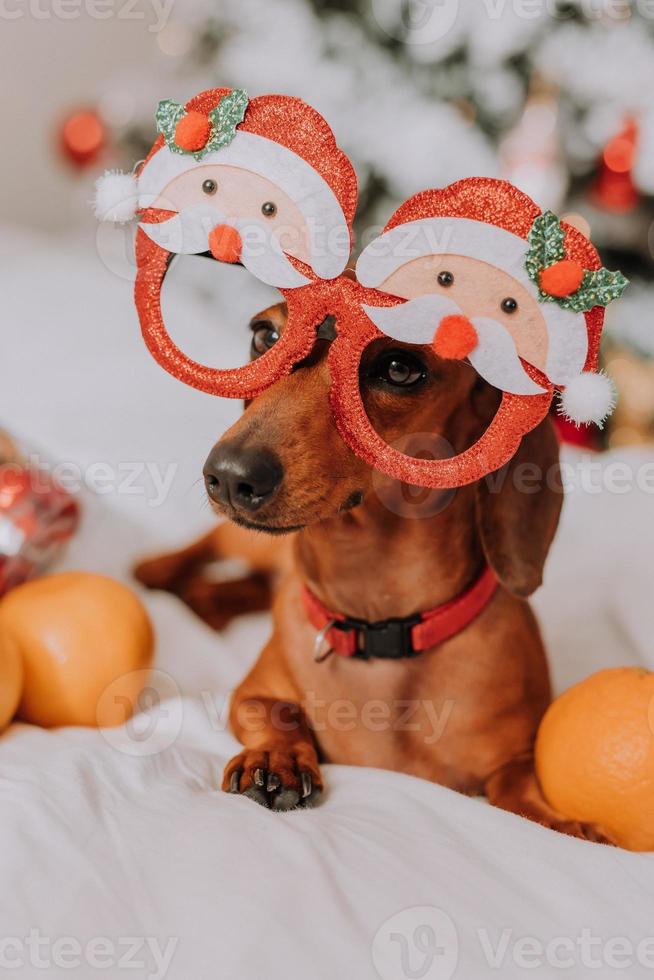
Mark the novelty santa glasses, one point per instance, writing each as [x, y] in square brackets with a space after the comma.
[474, 271]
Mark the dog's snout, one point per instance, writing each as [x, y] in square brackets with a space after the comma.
[244, 478]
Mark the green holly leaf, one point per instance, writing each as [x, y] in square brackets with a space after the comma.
[545, 239]
[167, 116]
[546, 246]
[229, 112]
[598, 288]
[224, 119]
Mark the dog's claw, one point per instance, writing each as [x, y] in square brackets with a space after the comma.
[235, 781]
[306, 785]
[259, 777]
[274, 782]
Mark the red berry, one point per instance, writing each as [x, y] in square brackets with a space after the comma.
[562, 278]
[192, 131]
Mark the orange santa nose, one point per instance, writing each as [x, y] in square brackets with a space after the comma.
[225, 243]
[455, 337]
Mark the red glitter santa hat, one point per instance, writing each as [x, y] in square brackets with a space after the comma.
[277, 137]
[493, 222]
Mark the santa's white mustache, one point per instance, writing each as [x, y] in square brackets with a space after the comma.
[187, 233]
[494, 357]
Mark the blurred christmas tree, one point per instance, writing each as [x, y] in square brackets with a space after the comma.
[556, 97]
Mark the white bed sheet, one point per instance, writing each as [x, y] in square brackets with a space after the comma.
[119, 856]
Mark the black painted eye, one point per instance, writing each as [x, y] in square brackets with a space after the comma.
[264, 336]
[399, 368]
[509, 304]
[209, 186]
[445, 278]
[269, 209]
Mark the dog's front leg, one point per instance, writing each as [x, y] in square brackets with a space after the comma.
[515, 787]
[278, 766]
[170, 571]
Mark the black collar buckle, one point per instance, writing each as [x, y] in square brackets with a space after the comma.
[389, 639]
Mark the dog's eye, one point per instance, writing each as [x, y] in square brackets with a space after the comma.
[399, 368]
[269, 209]
[264, 336]
[209, 186]
[509, 304]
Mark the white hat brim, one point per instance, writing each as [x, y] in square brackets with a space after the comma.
[328, 228]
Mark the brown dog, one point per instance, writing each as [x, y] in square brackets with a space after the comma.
[463, 714]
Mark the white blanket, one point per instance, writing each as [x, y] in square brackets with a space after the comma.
[118, 851]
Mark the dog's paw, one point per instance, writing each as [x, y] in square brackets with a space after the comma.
[162, 572]
[280, 779]
[583, 831]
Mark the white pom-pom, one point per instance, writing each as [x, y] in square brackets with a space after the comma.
[116, 196]
[588, 398]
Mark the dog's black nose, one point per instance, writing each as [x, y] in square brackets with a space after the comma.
[244, 478]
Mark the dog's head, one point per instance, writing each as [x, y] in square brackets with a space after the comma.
[283, 465]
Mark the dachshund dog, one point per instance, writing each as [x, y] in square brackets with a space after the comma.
[464, 713]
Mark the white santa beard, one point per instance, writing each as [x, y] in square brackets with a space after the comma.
[415, 321]
[187, 233]
[496, 360]
[266, 260]
[495, 357]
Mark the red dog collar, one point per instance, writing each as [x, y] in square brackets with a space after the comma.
[392, 639]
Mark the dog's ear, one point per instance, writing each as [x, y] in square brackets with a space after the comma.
[518, 511]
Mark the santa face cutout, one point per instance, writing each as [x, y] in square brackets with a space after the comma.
[467, 308]
[258, 181]
[238, 216]
[473, 271]
[475, 300]
[478, 273]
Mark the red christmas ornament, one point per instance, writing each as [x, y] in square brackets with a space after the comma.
[82, 138]
[37, 517]
[614, 188]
